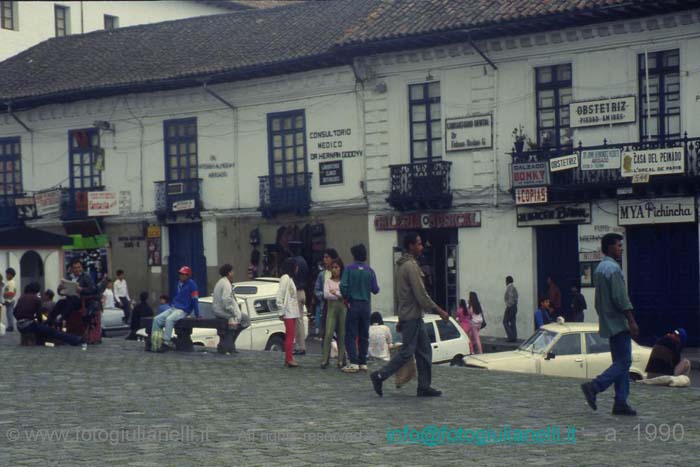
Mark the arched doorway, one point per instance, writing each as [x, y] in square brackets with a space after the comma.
[31, 269]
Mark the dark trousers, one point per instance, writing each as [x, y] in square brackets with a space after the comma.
[509, 322]
[414, 342]
[357, 326]
[136, 318]
[126, 307]
[618, 372]
[44, 332]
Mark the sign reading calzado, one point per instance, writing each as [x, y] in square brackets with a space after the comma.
[530, 174]
[563, 163]
[603, 112]
[655, 211]
[468, 133]
[653, 162]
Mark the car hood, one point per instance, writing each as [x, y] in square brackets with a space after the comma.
[496, 357]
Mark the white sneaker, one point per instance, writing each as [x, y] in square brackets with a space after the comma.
[351, 368]
[363, 367]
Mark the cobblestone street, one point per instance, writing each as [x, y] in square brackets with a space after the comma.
[115, 404]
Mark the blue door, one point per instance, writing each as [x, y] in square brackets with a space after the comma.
[662, 270]
[187, 249]
[557, 255]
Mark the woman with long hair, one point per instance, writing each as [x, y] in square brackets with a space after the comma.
[335, 314]
[288, 308]
[476, 318]
[464, 322]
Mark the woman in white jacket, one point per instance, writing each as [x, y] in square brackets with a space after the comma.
[288, 308]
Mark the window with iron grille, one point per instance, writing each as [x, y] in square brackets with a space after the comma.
[10, 167]
[111, 22]
[180, 138]
[426, 123]
[86, 159]
[7, 15]
[553, 96]
[660, 117]
[287, 145]
[62, 20]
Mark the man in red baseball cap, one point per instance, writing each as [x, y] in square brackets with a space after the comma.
[186, 301]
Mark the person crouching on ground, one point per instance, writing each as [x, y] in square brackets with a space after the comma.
[184, 303]
[335, 313]
[225, 305]
[380, 338]
[665, 358]
[28, 315]
[413, 300]
[288, 308]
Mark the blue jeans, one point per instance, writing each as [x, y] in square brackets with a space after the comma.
[167, 320]
[618, 372]
[357, 325]
[44, 332]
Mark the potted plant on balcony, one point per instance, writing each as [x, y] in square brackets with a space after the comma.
[519, 138]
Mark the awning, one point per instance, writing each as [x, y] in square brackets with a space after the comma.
[27, 237]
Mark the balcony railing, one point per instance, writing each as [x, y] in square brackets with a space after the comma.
[180, 197]
[577, 184]
[285, 193]
[421, 185]
[8, 211]
[74, 203]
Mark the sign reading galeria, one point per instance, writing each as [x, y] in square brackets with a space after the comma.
[554, 214]
[653, 162]
[603, 112]
[468, 133]
[103, 203]
[530, 174]
[448, 220]
[532, 195]
[655, 211]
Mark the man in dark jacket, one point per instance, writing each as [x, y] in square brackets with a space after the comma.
[413, 301]
[665, 358]
[28, 315]
[85, 289]
[578, 305]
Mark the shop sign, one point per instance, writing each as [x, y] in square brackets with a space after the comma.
[153, 231]
[609, 111]
[330, 173]
[554, 214]
[655, 211]
[534, 195]
[590, 235]
[47, 202]
[183, 205]
[558, 164]
[102, 203]
[468, 133]
[600, 159]
[653, 162]
[530, 174]
[428, 221]
[26, 209]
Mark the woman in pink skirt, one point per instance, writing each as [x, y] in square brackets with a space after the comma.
[465, 322]
[476, 319]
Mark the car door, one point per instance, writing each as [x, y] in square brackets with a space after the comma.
[598, 357]
[264, 321]
[568, 359]
[437, 350]
[450, 341]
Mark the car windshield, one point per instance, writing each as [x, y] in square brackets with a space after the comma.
[539, 341]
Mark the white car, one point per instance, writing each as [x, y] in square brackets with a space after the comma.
[112, 321]
[257, 298]
[562, 349]
[447, 338]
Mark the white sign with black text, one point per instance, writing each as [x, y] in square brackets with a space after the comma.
[653, 162]
[563, 163]
[655, 211]
[609, 111]
[468, 133]
[600, 159]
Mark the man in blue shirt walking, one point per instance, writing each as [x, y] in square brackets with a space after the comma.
[184, 303]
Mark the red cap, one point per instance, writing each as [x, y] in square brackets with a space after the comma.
[185, 270]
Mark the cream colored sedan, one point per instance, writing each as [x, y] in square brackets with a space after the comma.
[570, 349]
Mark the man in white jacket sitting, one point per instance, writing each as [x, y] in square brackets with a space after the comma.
[225, 305]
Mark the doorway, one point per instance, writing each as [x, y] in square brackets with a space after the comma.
[187, 249]
[31, 269]
[557, 256]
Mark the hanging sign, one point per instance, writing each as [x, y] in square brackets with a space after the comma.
[26, 209]
[102, 203]
[468, 133]
[554, 214]
[530, 174]
[653, 162]
[655, 211]
[47, 202]
[609, 111]
[183, 205]
[558, 164]
[531, 195]
[600, 159]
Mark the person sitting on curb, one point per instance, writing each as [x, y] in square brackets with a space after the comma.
[184, 303]
[665, 358]
[28, 315]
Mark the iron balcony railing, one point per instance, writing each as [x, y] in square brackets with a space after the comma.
[179, 197]
[572, 183]
[421, 185]
[285, 193]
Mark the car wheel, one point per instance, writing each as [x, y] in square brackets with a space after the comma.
[457, 360]
[635, 376]
[275, 344]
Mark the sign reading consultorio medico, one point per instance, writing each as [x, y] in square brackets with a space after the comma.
[655, 211]
[608, 111]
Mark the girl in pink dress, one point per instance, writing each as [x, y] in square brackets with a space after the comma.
[476, 319]
[465, 322]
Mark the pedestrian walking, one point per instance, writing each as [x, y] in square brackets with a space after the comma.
[185, 302]
[301, 278]
[288, 308]
[336, 313]
[465, 322]
[475, 312]
[554, 295]
[380, 338]
[358, 282]
[225, 305]
[616, 322]
[578, 305]
[509, 316]
[413, 302]
[8, 296]
[121, 293]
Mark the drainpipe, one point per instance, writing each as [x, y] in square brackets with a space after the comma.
[495, 137]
